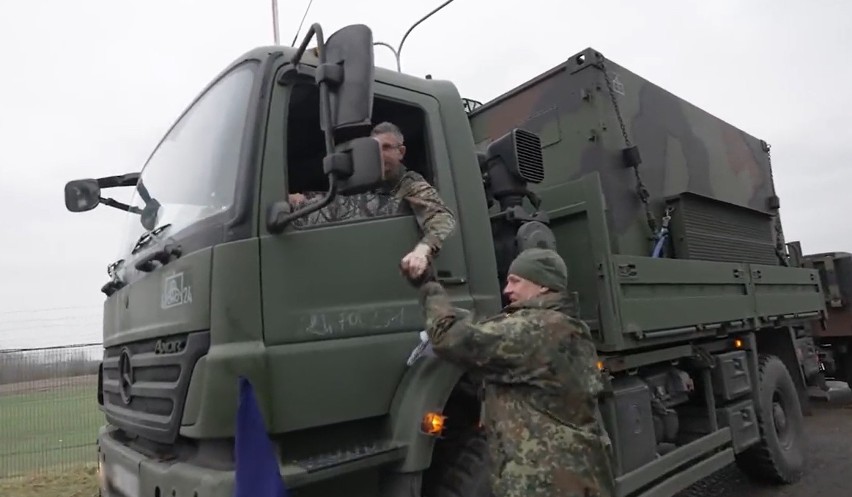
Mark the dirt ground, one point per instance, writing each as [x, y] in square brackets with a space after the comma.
[73, 482]
[829, 467]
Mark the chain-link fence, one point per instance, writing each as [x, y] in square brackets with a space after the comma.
[49, 415]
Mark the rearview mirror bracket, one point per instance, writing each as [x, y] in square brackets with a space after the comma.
[345, 76]
[85, 194]
[350, 168]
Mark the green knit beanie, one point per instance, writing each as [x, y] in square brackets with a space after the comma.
[543, 267]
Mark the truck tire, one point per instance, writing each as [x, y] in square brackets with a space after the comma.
[463, 468]
[779, 456]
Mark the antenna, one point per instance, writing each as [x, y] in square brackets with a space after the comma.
[275, 20]
[302, 22]
[398, 50]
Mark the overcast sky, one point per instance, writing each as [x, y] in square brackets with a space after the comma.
[89, 87]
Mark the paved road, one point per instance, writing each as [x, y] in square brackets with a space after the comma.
[829, 471]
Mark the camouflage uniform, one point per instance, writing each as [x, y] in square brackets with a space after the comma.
[541, 382]
[434, 218]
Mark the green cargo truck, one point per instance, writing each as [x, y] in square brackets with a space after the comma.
[832, 336]
[666, 216]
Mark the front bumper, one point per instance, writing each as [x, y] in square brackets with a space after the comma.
[124, 472]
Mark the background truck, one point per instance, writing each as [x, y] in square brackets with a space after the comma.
[833, 335]
[666, 216]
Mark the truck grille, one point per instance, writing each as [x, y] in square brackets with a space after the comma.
[145, 383]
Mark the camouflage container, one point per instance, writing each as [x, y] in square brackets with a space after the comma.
[720, 176]
[667, 215]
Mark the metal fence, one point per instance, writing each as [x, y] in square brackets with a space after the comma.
[49, 415]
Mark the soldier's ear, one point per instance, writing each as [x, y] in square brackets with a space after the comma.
[402, 150]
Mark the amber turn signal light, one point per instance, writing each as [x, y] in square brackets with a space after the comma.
[433, 423]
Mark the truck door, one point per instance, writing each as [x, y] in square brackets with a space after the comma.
[339, 320]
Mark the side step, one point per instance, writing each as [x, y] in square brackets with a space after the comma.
[682, 481]
[300, 472]
[671, 462]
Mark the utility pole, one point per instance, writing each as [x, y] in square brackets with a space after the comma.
[275, 21]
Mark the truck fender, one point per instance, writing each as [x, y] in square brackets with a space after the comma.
[425, 387]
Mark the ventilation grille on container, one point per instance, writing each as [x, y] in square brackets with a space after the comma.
[530, 161]
[710, 230]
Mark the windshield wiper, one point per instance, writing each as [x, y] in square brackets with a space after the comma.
[146, 237]
[163, 255]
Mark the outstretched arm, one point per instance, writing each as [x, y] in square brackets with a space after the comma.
[497, 345]
[436, 220]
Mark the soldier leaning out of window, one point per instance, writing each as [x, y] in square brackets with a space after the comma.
[434, 218]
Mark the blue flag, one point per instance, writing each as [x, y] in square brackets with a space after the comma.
[257, 472]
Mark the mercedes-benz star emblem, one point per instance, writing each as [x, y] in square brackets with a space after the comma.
[125, 376]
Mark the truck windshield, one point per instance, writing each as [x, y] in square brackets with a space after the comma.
[192, 173]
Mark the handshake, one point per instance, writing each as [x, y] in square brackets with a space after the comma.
[416, 266]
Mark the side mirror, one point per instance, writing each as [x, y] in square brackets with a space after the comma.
[357, 165]
[348, 65]
[82, 195]
[345, 76]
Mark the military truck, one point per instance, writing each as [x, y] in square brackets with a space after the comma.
[666, 216]
[833, 335]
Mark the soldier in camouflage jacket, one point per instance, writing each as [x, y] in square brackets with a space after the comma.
[541, 382]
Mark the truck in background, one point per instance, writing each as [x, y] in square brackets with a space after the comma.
[666, 215]
[833, 335]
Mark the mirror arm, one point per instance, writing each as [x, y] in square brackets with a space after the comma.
[314, 29]
[322, 78]
[276, 224]
[119, 205]
[129, 179]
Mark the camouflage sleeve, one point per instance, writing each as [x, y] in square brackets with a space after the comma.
[436, 220]
[310, 197]
[497, 345]
[324, 215]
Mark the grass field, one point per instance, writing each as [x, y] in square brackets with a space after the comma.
[48, 427]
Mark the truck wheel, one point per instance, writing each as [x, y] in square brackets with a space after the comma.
[779, 456]
[462, 468]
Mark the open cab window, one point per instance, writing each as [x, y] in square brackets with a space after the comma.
[306, 149]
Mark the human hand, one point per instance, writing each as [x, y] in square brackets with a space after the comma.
[419, 280]
[296, 198]
[416, 261]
